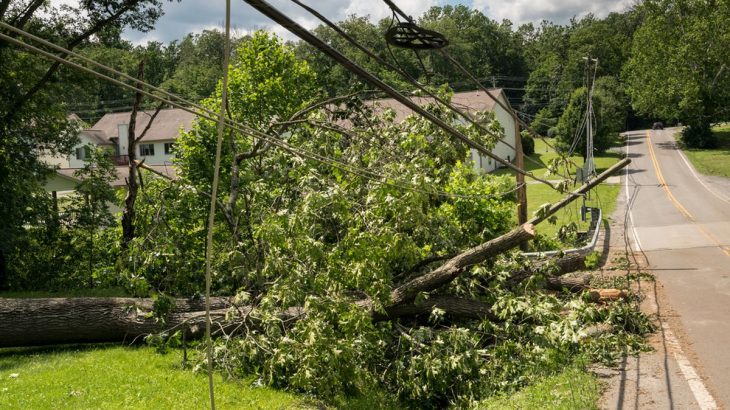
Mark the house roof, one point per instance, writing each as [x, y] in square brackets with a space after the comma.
[98, 137]
[166, 126]
[469, 101]
[122, 173]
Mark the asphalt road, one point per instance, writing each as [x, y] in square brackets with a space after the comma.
[682, 224]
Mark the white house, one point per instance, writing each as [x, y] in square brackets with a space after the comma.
[470, 102]
[157, 145]
[112, 132]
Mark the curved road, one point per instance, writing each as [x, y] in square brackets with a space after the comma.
[682, 224]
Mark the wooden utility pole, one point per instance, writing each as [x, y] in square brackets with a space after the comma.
[522, 187]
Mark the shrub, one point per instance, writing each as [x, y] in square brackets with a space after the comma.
[698, 135]
[528, 144]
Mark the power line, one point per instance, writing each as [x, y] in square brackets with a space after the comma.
[209, 115]
[304, 34]
[466, 72]
[398, 69]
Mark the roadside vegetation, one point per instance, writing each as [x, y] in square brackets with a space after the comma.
[713, 161]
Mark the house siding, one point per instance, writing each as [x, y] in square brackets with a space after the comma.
[502, 150]
[160, 158]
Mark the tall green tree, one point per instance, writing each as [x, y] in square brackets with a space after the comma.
[678, 70]
[33, 119]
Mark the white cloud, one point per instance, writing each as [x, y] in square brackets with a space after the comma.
[558, 11]
[194, 16]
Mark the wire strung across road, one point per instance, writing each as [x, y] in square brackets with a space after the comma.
[304, 34]
[210, 115]
[471, 77]
[399, 70]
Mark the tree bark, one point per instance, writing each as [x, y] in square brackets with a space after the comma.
[566, 264]
[48, 321]
[132, 186]
[34, 322]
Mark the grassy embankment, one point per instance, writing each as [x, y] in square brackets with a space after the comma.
[603, 196]
[121, 377]
[714, 161]
[116, 377]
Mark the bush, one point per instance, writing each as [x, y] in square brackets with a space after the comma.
[528, 144]
[698, 136]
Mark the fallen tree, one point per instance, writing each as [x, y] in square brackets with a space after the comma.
[25, 322]
[44, 321]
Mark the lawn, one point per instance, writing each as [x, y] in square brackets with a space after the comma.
[714, 161]
[119, 377]
[116, 377]
[572, 389]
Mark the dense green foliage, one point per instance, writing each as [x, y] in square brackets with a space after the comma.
[609, 117]
[679, 65]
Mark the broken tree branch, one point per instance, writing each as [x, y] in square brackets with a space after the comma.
[579, 192]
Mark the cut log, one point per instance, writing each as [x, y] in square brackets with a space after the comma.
[605, 295]
[34, 322]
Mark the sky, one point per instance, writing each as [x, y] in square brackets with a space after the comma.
[197, 15]
[194, 16]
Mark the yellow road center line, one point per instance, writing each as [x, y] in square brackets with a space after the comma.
[676, 203]
[663, 182]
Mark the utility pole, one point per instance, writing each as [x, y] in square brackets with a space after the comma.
[520, 178]
[589, 168]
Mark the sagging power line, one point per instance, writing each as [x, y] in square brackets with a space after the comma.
[202, 112]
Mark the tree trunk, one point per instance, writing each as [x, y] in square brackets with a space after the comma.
[3, 271]
[132, 187]
[566, 264]
[34, 322]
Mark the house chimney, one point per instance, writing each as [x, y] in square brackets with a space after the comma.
[123, 135]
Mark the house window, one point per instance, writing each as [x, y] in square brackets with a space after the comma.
[169, 148]
[83, 153]
[146, 150]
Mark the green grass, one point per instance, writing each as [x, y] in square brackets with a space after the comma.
[116, 377]
[603, 196]
[573, 389]
[714, 161]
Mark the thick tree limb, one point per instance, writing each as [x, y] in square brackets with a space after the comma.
[458, 264]
[574, 284]
[579, 192]
[566, 264]
[33, 322]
